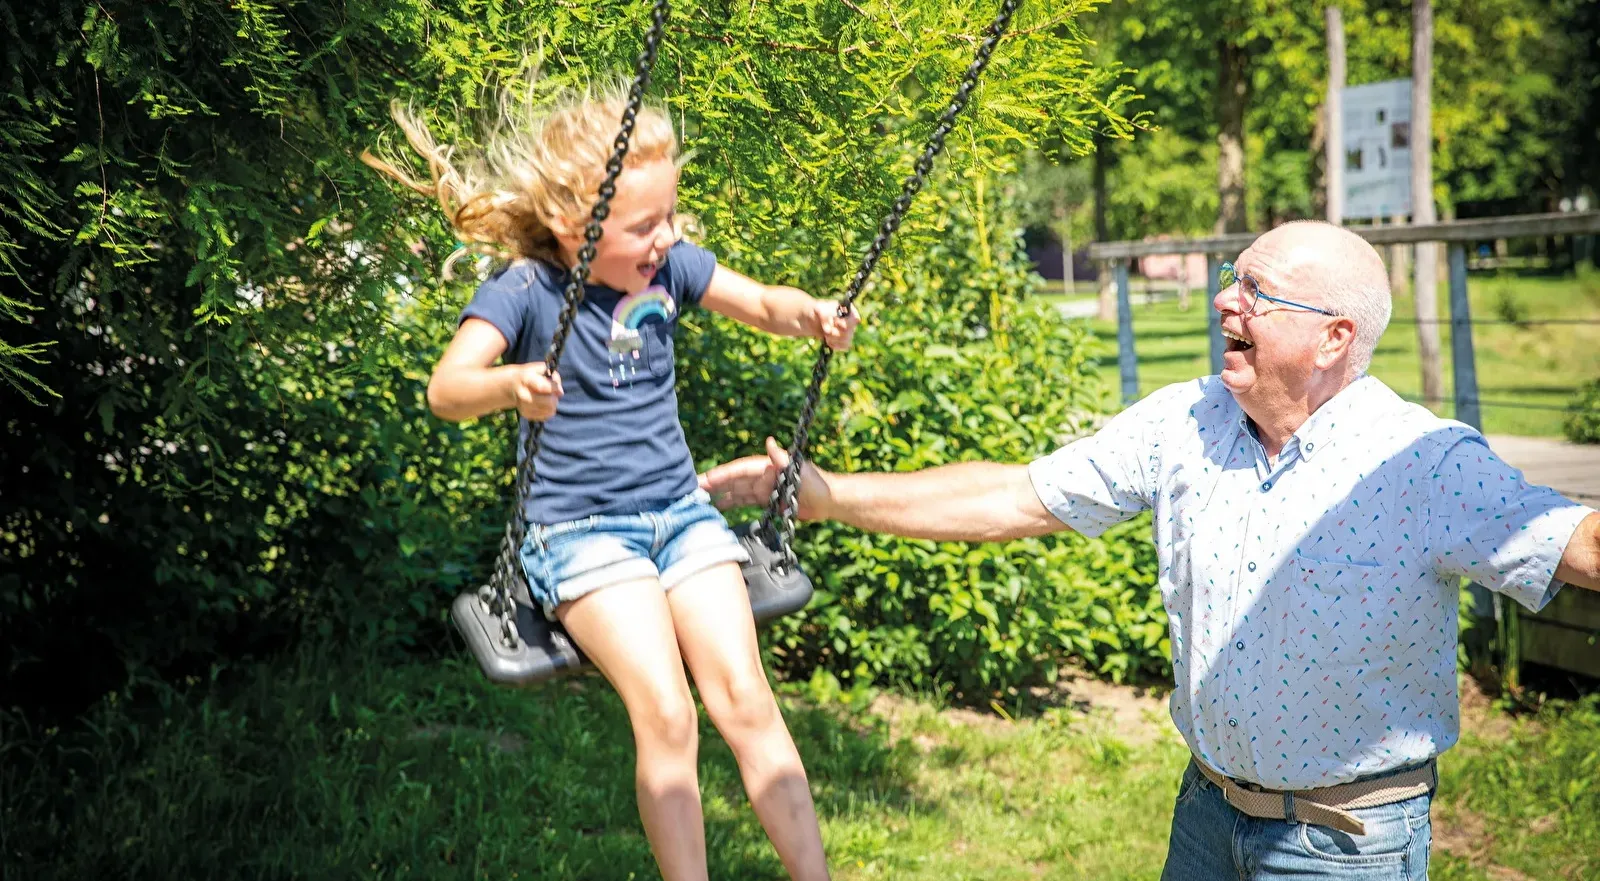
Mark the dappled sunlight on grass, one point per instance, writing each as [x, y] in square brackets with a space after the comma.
[341, 769]
[327, 769]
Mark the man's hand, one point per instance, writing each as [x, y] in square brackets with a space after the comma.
[750, 481]
[1580, 563]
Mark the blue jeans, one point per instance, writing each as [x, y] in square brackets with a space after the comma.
[1211, 841]
[669, 543]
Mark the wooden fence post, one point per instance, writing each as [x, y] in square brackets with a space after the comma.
[1464, 366]
[1127, 358]
[1214, 319]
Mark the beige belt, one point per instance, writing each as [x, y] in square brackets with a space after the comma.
[1329, 806]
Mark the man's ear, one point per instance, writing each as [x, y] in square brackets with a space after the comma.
[1336, 342]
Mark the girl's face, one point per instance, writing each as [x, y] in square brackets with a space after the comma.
[638, 231]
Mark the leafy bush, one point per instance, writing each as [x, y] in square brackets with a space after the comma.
[1583, 423]
[954, 362]
[333, 506]
[230, 315]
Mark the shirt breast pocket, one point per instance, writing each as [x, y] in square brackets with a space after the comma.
[1323, 615]
[657, 339]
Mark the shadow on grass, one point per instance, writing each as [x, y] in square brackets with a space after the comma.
[321, 768]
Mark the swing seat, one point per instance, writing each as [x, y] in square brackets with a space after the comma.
[545, 651]
[775, 590]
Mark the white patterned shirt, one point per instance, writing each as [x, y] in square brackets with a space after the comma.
[1313, 600]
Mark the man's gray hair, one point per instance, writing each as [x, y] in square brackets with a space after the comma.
[1365, 300]
[1355, 285]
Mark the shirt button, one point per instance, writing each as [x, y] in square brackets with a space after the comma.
[1266, 486]
[1251, 567]
[1310, 447]
[1239, 645]
[1233, 723]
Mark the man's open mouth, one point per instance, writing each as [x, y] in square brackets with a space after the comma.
[1236, 343]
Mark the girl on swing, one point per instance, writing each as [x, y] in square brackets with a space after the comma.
[623, 547]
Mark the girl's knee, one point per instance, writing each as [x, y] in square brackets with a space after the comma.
[668, 721]
[741, 704]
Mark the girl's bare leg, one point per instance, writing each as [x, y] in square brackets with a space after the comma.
[717, 636]
[627, 631]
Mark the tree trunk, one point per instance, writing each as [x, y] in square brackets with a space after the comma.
[1233, 95]
[1108, 292]
[1321, 179]
[1399, 261]
[1329, 147]
[1063, 233]
[1422, 212]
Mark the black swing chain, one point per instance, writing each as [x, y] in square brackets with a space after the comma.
[785, 494]
[508, 569]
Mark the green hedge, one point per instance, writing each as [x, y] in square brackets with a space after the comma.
[955, 361]
[234, 317]
[1583, 423]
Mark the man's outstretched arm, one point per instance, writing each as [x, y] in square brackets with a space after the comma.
[966, 501]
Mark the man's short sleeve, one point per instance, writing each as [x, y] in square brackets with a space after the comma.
[1099, 481]
[1486, 522]
[504, 300]
[689, 268]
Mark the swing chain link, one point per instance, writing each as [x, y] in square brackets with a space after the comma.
[508, 567]
[784, 503]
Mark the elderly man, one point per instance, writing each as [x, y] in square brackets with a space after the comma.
[1313, 529]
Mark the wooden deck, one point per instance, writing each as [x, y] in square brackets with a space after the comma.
[1571, 469]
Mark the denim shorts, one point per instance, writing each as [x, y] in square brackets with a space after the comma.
[564, 561]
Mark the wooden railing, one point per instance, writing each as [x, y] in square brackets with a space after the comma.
[1455, 233]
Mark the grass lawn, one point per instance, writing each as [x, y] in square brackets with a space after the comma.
[1522, 369]
[329, 769]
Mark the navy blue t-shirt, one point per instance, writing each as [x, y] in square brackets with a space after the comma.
[615, 445]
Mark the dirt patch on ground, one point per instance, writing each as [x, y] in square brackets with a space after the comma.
[1478, 715]
[1467, 836]
[1135, 715]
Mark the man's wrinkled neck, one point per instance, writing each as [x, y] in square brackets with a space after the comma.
[1277, 421]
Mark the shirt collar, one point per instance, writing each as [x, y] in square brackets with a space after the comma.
[1357, 403]
[1353, 404]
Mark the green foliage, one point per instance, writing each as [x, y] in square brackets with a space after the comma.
[1514, 107]
[1168, 184]
[233, 318]
[953, 363]
[1507, 121]
[1582, 425]
[1542, 768]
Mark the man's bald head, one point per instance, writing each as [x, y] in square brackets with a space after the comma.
[1334, 268]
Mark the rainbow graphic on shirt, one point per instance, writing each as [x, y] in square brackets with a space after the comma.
[653, 304]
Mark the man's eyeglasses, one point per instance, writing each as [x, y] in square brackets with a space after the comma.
[1251, 292]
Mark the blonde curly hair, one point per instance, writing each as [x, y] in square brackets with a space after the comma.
[537, 171]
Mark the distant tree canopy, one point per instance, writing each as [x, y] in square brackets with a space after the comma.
[1516, 98]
